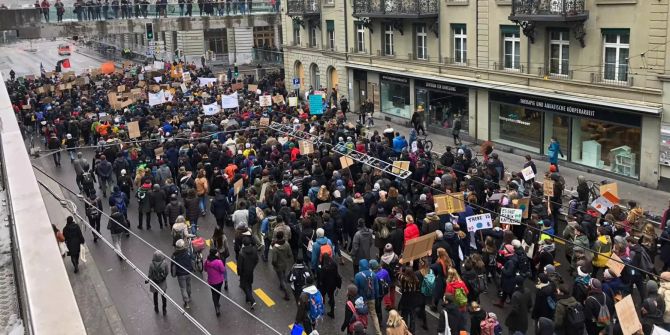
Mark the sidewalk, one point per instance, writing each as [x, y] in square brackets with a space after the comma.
[654, 202]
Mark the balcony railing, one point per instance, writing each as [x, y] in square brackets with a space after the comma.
[267, 56]
[396, 8]
[548, 10]
[303, 7]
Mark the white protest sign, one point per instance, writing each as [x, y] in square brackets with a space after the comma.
[158, 79]
[265, 100]
[528, 173]
[168, 96]
[211, 109]
[158, 65]
[477, 222]
[293, 101]
[659, 331]
[183, 88]
[186, 77]
[510, 215]
[156, 98]
[601, 204]
[148, 68]
[230, 101]
[206, 81]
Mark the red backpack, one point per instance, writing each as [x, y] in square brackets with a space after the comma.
[358, 318]
[325, 249]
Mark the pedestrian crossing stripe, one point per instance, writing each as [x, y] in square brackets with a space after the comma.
[266, 299]
[290, 327]
[232, 266]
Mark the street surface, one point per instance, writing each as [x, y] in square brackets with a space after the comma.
[25, 58]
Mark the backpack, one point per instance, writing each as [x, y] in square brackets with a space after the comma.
[325, 249]
[141, 194]
[460, 297]
[603, 318]
[646, 263]
[120, 205]
[574, 317]
[523, 267]
[551, 303]
[92, 212]
[488, 326]
[157, 274]
[87, 178]
[316, 310]
[370, 283]
[298, 276]
[479, 285]
[428, 284]
[358, 318]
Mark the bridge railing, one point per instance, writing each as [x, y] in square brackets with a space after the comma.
[152, 11]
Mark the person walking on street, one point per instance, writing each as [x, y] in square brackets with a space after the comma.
[104, 170]
[417, 120]
[216, 276]
[54, 144]
[456, 130]
[73, 240]
[182, 268]
[281, 258]
[329, 280]
[368, 287]
[521, 304]
[158, 204]
[219, 208]
[201, 190]
[158, 273]
[362, 245]
[93, 207]
[553, 151]
[246, 264]
[144, 203]
[116, 224]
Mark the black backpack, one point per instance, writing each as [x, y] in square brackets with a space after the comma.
[574, 317]
[523, 266]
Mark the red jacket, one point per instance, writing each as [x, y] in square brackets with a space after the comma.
[411, 232]
[452, 286]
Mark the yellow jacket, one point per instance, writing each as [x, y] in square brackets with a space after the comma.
[603, 247]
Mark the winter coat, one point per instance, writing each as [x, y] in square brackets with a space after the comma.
[456, 319]
[192, 206]
[517, 319]
[181, 257]
[281, 256]
[592, 308]
[219, 207]
[411, 232]
[329, 277]
[201, 186]
[113, 226]
[144, 201]
[216, 271]
[361, 281]
[476, 319]
[246, 264]
[158, 201]
[541, 307]
[560, 314]
[316, 250]
[377, 226]
[665, 246]
[173, 210]
[73, 238]
[158, 268]
[664, 292]
[362, 244]
[603, 246]
[103, 169]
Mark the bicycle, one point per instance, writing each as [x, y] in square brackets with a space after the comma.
[425, 143]
[196, 246]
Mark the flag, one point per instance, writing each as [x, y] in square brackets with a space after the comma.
[66, 63]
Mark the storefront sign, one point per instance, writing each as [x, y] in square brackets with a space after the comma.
[399, 80]
[566, 107]
[442, 87]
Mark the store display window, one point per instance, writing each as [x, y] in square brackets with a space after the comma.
[606, 146]
[516, 126]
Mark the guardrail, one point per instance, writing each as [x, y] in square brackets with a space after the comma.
[48, 305]
[145, 10]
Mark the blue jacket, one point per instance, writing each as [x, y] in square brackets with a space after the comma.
[361, 281]
[553, 151]
[398, 144]
[316, 250]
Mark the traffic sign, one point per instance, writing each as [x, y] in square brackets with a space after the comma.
[296, 83]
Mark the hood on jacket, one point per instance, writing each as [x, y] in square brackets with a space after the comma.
[363, 265]
[158, 257]
[545, 326]
[310, 289]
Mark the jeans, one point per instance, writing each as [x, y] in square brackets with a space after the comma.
[202, 200]
[194, 226]
[185, 287]
[283, 284]
[215, 293]
[104, 184]
[373, 316]
[70, 152]
[57, 158]
[162, 219]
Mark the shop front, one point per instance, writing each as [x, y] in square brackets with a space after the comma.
[395, 96]
[599, 137]
[444, 103]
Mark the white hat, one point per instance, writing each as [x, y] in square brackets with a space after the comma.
[123, 172]
[180, 243]
[247, 145]
[68, 136]
[336, 194]
[461, 152]
[516, 243]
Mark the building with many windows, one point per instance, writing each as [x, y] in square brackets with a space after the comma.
[591, 73]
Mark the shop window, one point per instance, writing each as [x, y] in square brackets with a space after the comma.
[360, 37]
[616, 45]
[559, 52]
[460, 44]
[388, 40]
[395, 99]
[511, 48]
[516, 126]
[606, 146]
[421, 39]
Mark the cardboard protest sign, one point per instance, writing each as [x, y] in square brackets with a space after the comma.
[121, 88]
[40, 90]
[154, 122]
[548, 187]
[601, 204]
[278, 99]
[612, 188]
[264, 121]
[252, 88]
[265, 100]
[238, 186]
[237, 86]
[134, 129]
[137, 93]
[186, 77]
[528, 173]
[510, 215]
[158, 152]
[346, 162]
[46, 100]
[418, 247]
[323, 207]
[477, 222]
[263, 190]
[615, 265]
[628, 319]
[306, 147]
[449, 203]
[68, 86]
[293, 101]
[400, 166]
[524, 204]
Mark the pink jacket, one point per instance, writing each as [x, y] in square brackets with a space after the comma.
[216, 271]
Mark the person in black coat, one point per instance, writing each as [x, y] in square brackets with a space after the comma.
[517, 319]
[219, 208]
[158, 204]
[73, 240]
[456, 319]
[246, 263]
[545, 296]
[328, 280]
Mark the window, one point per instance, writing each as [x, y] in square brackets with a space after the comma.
[264, 36]
[511, 48]
[388, 40]
[330, 28]
[218, 45]
[559, 52]
[312, 35]
[421, 38]
[460, 44]
[360, 37]
[615, 54]
[296, 34]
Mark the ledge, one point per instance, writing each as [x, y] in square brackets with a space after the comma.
[615, 2]
[458, 2]
[504, 2]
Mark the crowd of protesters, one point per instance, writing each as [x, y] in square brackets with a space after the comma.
[300, 211]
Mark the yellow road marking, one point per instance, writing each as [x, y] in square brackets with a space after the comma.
[290, 327]
[266, 299]
[557, 264]
[231, 265]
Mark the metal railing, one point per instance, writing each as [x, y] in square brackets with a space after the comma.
[145, 11]
[48, 304]
[548, 7]
[623, 80]
[303, 7]
[267, 56]
[396, 7]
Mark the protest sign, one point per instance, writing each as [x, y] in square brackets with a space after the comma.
[121, 88]
[158, 152]
[548, 187]
[449, 203]
[315, 104]
[306, 147]
[612, 188]
[510, 215]
[659, 331]
[278, 99]
[158, 65]
[323, 207]
[601, 204]
[524, 204]
[418, 247]
[400, 166]
[265, 100]
[186, 77]
[628, 319]
[238, 186]
[477, 222]
[615, 265]
[252, 88]
[156, 98]
[211, 109]
[206, 81]
[230, 101]
[134, 129]
[528, 173]
[158, 79]
[345, 162]
[293, 101]
[183, 88]
[264, 121]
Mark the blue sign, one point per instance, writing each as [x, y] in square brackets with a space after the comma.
[315, 104]
[296, 81]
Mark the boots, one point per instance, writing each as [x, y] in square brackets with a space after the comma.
[218, 310]
[156, 309]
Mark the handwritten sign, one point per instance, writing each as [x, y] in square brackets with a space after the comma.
[510, 215]
[400, 166]
[528, 173]
[134, 129]
[252, 88]
[278, 99]
[265, 100]
[346, 162]
[158, 152]
[477, 222]
[264, 121]
[306, 147]
[449, 203]
[615, 265]
[548, 187]
[238, 186]
[601, 204]
[418, 247]
[121, 88]
[293, 101]
[523, 204]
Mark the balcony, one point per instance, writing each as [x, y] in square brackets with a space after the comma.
[410, 9]
[548, 10]
[303, 8]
